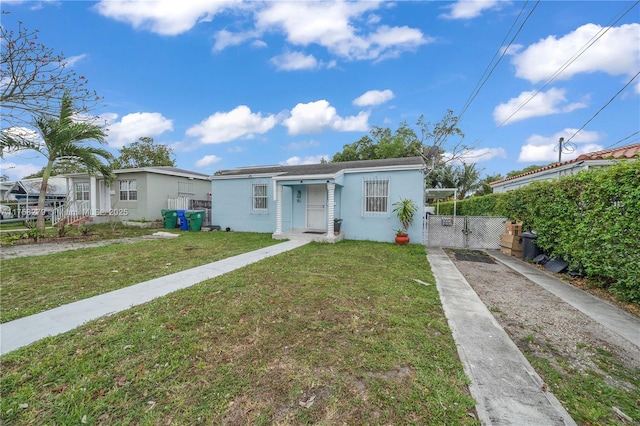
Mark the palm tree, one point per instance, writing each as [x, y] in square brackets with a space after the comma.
[63, 139]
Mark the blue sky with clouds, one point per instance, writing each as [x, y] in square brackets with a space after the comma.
[239, 83]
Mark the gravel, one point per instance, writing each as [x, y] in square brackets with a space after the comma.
[540, 323]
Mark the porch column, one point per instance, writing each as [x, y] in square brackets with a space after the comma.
[278, 210]
[331, 191]
[93, 196]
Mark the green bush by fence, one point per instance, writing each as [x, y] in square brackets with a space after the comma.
[592, 220]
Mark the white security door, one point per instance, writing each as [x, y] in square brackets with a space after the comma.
[316, 207]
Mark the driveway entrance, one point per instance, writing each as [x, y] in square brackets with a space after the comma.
[472, 232]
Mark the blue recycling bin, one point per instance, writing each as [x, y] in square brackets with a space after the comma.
[184, 225]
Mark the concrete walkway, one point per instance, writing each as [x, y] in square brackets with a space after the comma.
[24, 331]
[507, 389]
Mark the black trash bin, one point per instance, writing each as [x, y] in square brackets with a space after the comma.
[529, 248]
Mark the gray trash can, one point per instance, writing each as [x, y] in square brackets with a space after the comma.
[529, 248]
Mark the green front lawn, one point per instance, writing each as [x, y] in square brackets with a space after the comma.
[329, 334]
[34, 284]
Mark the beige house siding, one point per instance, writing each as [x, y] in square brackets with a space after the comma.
[153, 192]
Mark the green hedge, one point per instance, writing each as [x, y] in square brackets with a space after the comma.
[592, 220]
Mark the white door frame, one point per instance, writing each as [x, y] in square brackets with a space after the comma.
[316, 208]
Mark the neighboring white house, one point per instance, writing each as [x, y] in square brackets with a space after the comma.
[135, 194]
[587, 161]
[25, 193]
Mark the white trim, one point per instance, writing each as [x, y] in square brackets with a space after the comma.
[162, 172]
[254, 209]
[377, 180]
[93, 199]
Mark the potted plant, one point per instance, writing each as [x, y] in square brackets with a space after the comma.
[405, 209]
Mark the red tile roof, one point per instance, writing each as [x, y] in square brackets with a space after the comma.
[629, 152]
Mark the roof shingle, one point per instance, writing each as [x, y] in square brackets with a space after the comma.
[323, 168]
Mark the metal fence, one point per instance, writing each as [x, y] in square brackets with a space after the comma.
[473, 232]
[202, 205]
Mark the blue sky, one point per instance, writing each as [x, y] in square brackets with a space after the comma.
[230, 84]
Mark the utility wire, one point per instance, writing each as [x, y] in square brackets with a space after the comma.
[480, 84]
[623, 139]
[571, 60]
[604, 106]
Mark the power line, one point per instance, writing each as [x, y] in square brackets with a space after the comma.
[480, 84]
[623, 139]
[604, 106]
[571, 60]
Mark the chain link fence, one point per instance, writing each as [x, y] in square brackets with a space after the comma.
[472, 232]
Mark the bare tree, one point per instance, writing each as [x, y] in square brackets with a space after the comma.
[34, 78]
[437, 149]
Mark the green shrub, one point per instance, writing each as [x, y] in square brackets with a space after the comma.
[591, 219]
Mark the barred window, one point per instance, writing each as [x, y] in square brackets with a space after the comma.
[185, 189]
[128, 190]
[376, 195]
[260, 196]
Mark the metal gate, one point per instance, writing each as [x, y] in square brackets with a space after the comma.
[473, 232]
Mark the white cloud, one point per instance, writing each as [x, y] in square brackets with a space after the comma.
[467, 9]
[227, 126]
[293, 61]
[23, 133]
[482, 154]
[297, 146]
[134, 126]
[333, 26]
[236, 149]
[298, 161]
[552, 101]
[545, 148]
[373, 97]
[72, 60]
[17, 171]
[225, 39]
[346, 29]
[615, 53]
[207, 160]
[314, 117]
[166, 17]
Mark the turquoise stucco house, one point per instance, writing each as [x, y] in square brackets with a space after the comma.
[290, 201]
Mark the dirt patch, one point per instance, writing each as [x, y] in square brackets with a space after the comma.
[542, 324]
[43, 248]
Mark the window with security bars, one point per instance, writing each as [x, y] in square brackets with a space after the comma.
[128, 190]
[260, 196]
[376, 197]
[185, 189]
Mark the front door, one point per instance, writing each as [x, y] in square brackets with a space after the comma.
[316, 207]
